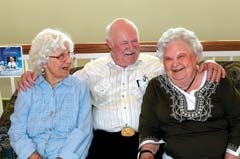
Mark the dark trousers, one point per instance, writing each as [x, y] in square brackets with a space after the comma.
[107, 145]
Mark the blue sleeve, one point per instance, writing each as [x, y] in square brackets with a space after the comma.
[19, 138]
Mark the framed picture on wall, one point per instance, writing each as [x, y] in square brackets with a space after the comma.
[11, 61]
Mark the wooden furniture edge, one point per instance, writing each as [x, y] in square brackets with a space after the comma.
[101, 47]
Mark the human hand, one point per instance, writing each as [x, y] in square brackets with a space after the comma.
[214, 70]
[35, 155]
[146, 156]
[26, 81]
[230, 156]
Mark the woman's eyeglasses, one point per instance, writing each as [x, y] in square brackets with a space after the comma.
[63, 57]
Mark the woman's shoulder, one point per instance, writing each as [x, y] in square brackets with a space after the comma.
[227, 83]
[157, 80]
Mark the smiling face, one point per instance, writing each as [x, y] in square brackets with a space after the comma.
[123, 42]
[179, 62]
[11, 59]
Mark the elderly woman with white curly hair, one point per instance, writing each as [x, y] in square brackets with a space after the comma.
[53, 119]
[196, 119]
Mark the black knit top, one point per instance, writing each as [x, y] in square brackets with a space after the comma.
[205, 132]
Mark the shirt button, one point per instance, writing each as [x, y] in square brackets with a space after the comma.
[51, 113]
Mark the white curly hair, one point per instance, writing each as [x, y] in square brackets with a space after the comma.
[46, 42]
[182, 34]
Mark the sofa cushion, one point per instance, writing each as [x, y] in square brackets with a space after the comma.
[233, 71]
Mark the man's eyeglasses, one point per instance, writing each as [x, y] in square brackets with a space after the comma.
[63, 57]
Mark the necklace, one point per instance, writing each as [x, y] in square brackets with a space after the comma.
[190, 84]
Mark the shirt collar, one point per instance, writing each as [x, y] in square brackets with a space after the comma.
[112, 64]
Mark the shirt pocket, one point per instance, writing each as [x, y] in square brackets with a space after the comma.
[142, 81]
[66, 118]
[102, 88]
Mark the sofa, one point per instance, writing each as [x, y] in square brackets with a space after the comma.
[6, 152]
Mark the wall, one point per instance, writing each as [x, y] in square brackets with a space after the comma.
[85, 20]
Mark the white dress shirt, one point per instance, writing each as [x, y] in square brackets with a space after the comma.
[117, 92]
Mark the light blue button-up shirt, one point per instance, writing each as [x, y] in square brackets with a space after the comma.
[55, 122]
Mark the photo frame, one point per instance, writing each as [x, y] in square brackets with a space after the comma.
[11, 61]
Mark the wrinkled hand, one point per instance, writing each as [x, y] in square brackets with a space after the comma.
[146, 156]
[230, 156]
[214, 70]
[35, 155]
[26, 81]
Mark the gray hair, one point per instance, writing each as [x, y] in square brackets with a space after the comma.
[182, 34]
[45, 43]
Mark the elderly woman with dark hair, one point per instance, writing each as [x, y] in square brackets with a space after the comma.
[196, 119]
[54, 118]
